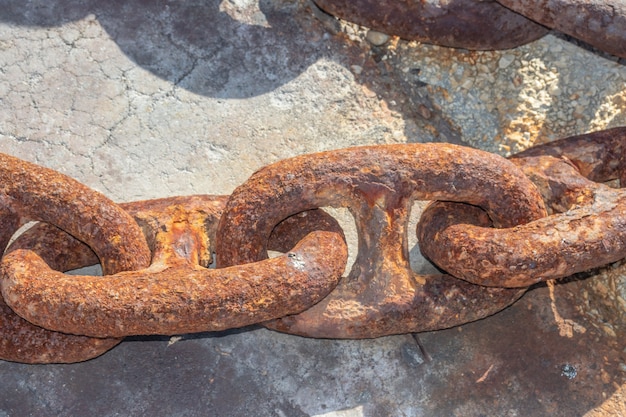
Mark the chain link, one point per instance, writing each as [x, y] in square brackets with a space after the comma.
[469, 24]
[488, 25]
[587, 227]
[500, 226]
[379, 184]
[175, 294]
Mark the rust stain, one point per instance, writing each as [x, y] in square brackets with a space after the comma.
[32, 192]
[605, 20]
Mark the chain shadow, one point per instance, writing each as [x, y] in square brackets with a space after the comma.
[193, 44]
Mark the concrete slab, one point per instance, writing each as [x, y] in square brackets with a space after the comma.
[141, 100]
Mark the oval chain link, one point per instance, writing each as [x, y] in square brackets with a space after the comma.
[379, 184]
[175, 294]
[586, 230]
[31, 192]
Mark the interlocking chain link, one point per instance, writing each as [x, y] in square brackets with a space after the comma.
[379, 184]
[586, 230]
[174, 295]
[31, 192]
[490, 231]
[469, 24]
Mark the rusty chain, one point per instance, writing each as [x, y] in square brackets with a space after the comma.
[496, 226]
[586, 227]
[378, 184]
[488, 25]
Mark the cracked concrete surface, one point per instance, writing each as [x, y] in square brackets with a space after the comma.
[153, 99]
[185, 104]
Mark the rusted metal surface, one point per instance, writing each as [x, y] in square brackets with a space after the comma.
[586, 230]
[21, 341]
[294, 228]
[302, 291]
[601, 23]
[9, 223]
[599, 156]
[378, 184]
[175, 294]
[31, 192]
[38, 193]
[470, 24]
[62, 252]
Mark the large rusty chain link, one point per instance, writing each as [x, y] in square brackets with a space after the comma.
[378, 184]
[495, 226]
[586, 228]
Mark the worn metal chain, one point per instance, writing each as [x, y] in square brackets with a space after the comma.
[488, 25]
[496, 227]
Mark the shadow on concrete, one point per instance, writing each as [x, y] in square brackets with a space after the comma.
[192, 44]
[197, 46]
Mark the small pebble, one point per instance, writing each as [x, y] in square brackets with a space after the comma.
[424, 112]
[505, 61]
[376, 38]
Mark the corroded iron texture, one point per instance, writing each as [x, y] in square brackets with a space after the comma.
[175, 294]
[601, 23]
[378, 184]
[9, 223]
[21, 341]
[31, 192]
[599, 156]
[470, 24]
[38, 193]
[586, 230]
